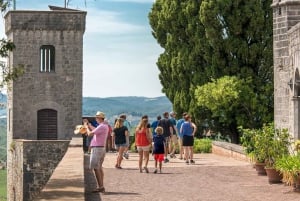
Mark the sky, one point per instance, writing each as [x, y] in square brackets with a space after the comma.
[119, 51]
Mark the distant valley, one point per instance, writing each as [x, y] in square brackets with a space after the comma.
[133, 107]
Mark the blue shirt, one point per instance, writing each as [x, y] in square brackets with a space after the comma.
[187, 128]
[173, 122]
[153, 126]
[178, 126]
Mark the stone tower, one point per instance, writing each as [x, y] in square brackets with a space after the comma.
[286, 49]
[45, 103]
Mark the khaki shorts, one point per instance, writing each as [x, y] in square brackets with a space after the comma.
[143, 148]
[174, 139]
[97, 157]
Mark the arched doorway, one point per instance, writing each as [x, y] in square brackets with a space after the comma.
[296, 97]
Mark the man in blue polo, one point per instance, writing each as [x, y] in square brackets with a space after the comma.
[168, 132]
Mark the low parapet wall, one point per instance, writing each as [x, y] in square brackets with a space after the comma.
[32, 164]
[229, 150]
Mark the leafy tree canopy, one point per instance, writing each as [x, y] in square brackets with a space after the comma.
[206, 40]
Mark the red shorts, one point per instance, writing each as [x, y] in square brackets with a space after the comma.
[159, 157]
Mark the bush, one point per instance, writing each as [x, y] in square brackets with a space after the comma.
[202, 145]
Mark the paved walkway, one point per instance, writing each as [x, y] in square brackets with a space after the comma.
[212, 178]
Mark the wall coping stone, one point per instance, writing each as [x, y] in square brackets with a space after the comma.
[230, 146]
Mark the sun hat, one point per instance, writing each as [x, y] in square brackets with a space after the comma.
[172, 113]
[80, 129]
[100, 114]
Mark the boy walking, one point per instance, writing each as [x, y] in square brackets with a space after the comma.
[159, 148]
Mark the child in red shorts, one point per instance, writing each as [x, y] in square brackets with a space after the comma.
[158, 148]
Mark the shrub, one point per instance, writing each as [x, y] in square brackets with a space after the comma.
[202, 145]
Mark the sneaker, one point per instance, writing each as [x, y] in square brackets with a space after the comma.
[155, 171]
[166, 160]
[126, 155]
[172, 156]
[187, 162]
[146, 169]
[192, 162]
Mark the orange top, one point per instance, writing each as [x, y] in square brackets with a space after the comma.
[141, 137]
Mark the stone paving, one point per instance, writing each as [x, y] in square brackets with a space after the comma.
[212, 178]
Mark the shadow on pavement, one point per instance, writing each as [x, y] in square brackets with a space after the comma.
[89, 182]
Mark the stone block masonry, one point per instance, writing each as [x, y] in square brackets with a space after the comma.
[33, 164]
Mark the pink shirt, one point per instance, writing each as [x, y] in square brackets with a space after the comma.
[100, 135]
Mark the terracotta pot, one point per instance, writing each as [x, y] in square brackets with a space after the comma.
[260, 168]
[274, 176]
[296, 184]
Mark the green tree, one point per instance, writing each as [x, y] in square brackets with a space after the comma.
[229, 100]
[240, 34]
[177, 28]
[205, 40]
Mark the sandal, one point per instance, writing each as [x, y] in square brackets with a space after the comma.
[118, 167]
[99, 190]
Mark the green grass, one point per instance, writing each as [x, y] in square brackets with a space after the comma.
[3, 185]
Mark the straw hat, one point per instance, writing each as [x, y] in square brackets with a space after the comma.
[100, 114]
[80, 129]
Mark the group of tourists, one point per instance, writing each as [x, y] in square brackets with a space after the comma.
[161, 138]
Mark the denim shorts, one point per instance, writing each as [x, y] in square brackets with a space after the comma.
[121, 145]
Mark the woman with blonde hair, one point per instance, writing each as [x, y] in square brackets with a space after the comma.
[120, 138]
[143, 141]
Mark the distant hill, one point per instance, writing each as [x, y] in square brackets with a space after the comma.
[134, 107]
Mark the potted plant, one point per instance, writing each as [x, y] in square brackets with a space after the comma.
[289, 167]
[249, 140]
[277, 144]
[266, 145]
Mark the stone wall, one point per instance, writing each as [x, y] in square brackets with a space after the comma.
[229, 150]
[286, 14]
[33, 164]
